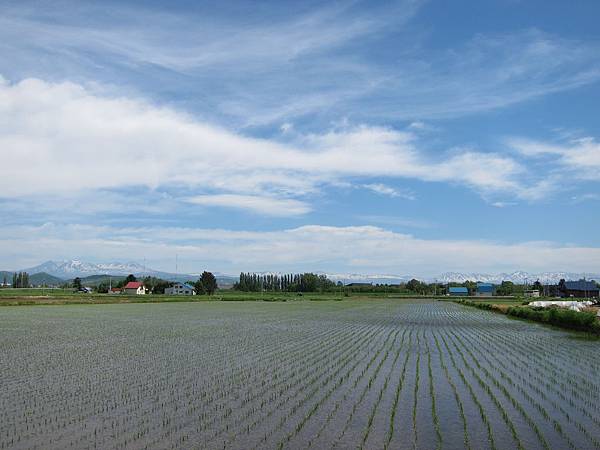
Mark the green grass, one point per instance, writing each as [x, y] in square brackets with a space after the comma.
[39, 296]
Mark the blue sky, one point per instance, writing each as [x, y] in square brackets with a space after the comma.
[405, 137]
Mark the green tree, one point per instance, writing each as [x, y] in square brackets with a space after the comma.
[207, 284]
[129, 278]
[505, 288]
[77, 283]
[199, 287]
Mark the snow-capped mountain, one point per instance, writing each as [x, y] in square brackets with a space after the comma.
[362, 278]
[76, 268]
[70, 269]
[517, 277]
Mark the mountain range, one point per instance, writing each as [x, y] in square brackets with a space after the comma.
[517, 277]
[69, 269]
[56, 272]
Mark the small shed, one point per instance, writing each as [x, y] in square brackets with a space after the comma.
[458, 291]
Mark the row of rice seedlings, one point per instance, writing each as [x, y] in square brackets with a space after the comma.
[473, 395]
[383, 350]
[283, 379]
[459, 402]
[536, 348]
[127, 400]
[330, 392]
[531, 383]
[499, 365]
[382, 390]
[400, 385]
[183, 417]
[508, 394]
[332, 411]
[436, 420]
[385, 353]
[487, 388]
[551, 376]
[319, 354]
[324, 377]
[560, 359]
[542, 378]
[416, 396]
[582, 392]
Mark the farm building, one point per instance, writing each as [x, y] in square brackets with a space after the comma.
[458, 291]
[134, 288]
[580, 289]
[485, 289]
[180, 289]
[115, 290]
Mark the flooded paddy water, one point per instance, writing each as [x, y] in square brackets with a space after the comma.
[374, 374]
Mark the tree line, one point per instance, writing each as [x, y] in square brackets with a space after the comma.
[20, 280]
[299, 282]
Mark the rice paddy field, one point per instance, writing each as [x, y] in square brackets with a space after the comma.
[376, 374]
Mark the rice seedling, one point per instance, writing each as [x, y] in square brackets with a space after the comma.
[291, 375]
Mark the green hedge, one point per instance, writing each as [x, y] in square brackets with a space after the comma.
[486, 306]
[565, 318]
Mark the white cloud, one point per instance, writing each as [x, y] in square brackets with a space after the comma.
[263, 205]
[580, 156]
[383, 189]
[286, 127]
[366, 249]
[60, 139]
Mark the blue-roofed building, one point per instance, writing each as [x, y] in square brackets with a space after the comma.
[180, 289]
[458, 291]
[485, 289]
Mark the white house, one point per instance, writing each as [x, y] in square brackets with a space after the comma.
[180, 289]
[134, 288]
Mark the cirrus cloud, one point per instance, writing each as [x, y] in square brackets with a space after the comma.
[61, 138]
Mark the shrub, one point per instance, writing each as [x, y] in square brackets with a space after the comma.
[565, 318]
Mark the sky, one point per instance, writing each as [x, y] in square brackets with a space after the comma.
[402, 137]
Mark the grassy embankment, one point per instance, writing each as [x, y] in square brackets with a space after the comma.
[563, 318]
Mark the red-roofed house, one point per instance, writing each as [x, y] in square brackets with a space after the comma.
[134, 288]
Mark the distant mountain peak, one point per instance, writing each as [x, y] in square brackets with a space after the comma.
[77, 268]
[72, 268]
